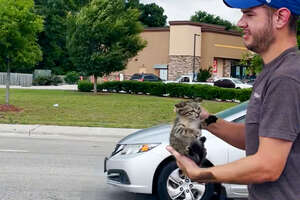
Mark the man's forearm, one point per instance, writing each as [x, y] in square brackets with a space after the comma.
[248, 170]
[232, 133]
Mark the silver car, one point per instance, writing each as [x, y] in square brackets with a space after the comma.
[140, 163]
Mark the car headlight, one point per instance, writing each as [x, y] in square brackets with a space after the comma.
[127, 149]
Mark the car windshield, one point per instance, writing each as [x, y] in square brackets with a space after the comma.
[231, 111]
[136, 76]
[237, 81]
[178, 78]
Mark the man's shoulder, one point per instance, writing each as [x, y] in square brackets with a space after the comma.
[289, 68]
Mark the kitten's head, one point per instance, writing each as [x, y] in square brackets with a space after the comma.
[189, 109]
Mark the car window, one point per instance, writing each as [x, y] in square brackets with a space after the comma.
[236, 109]
[178, 79]
[136, 76]
[185, 80]
[237, 81]
[149, 77]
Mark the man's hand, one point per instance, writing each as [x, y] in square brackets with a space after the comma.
[188, 166]
[191, 169]
[204, 114]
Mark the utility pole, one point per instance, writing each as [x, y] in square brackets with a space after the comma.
[194, 57]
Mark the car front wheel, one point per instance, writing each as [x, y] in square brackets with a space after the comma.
[173, 185]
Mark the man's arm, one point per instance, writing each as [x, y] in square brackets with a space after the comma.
[232, 133]
[264, 166]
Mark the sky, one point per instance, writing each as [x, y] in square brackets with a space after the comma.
[183, 9]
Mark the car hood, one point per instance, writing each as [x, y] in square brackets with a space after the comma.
[156, 134]
[243, 86]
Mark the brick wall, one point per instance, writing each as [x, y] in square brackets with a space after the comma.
[181, 65]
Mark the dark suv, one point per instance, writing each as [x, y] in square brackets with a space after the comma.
[145, 77]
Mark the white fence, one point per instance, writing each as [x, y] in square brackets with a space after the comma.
[24, 80]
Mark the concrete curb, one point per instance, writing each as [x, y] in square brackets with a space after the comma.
[65, 131]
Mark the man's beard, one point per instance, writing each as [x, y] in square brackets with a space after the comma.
[262, 39]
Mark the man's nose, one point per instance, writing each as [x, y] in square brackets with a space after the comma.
[241, 23]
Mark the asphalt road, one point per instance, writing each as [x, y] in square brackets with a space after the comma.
[56, 169]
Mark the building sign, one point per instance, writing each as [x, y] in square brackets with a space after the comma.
[215, 66]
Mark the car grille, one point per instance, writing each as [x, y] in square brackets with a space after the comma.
[118, 175]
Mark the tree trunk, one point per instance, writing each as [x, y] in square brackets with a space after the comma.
[95, 84]
[7, 83]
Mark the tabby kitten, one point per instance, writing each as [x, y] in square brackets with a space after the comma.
[185, 136]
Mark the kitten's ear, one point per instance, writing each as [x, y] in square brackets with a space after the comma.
[203, 139]
[180, 105]
[198, 99]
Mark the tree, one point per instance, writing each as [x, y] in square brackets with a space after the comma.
[204, 17]
[103, 36]
[132, 4]
[19, 27]
[253, 62]
[53, 38]
[152, 15]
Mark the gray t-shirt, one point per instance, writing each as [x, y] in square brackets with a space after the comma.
[274, 111]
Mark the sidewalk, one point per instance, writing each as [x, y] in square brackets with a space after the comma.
[67, 131]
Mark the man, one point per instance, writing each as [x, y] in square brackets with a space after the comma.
[271, 133]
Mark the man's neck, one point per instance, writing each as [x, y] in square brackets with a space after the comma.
[277, 48]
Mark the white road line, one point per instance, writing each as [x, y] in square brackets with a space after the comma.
[13, 151]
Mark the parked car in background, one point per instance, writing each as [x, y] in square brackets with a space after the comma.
[228, 82]
[145, 77]
[140, 163]
[250, 81]
[188, 79]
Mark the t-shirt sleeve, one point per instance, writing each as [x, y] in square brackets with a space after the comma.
[280, 112]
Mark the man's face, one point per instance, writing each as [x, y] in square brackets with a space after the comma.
[257, 28]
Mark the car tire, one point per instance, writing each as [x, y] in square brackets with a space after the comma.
[208, 191]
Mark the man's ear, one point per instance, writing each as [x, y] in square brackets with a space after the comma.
[281, 18]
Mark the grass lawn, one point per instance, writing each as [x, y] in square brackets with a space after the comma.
[86, 109]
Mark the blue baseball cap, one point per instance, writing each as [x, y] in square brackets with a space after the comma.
[292, 5]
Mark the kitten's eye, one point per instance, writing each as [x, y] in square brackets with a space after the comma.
[189, 113]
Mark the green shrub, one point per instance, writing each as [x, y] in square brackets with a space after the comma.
[72, 77]
[42, 80]
[205, 91]
[110, 86]
[227, 93]
[204, 74]
[47, 80]
[127, 86]
[140, 87]
[243, 94]
[85, 86]
[173, 89]
[56, 80]
[158, 89]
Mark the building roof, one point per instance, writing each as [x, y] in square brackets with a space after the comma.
[157, 29]
[204, 28]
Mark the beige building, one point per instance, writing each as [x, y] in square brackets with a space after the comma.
[184, 47]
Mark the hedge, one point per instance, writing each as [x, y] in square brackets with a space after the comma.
[85, 86]
[171, 89]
